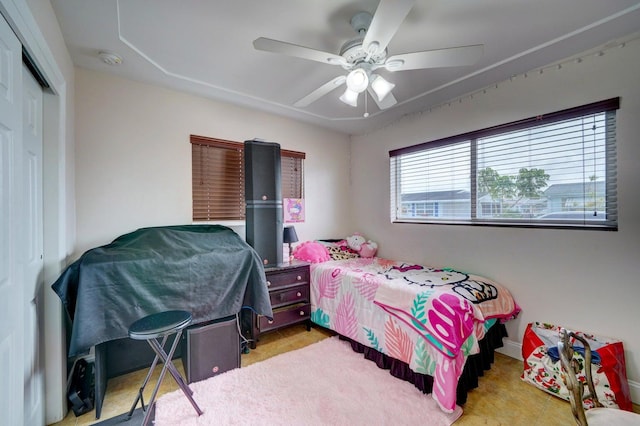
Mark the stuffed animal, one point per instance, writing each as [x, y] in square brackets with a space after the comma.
[368, 249]
[312, 252]
[362, 246]
[355, 241]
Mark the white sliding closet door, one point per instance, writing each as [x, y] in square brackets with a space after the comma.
[11, 240]
[33, 291]
[21, 238]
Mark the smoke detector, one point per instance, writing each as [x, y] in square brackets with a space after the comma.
[110, 58]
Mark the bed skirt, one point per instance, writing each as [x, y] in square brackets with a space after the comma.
[475, 366]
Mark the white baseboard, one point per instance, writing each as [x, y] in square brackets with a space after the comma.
[514, 350]
[511, 349]
[634, 387]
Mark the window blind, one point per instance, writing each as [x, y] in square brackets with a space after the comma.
[435, 183]
[553, 170]
[291, 163]
[218, 178]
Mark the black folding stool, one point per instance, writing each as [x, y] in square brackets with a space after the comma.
[150, 328]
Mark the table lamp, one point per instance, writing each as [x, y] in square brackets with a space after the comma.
[289, 236]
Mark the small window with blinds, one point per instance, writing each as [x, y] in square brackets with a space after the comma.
[292, 173]
[555, 170]
[218, 178]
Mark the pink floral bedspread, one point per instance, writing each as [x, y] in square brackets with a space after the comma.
[429, 318]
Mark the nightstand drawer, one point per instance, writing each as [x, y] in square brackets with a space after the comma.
[284, 316]
[287, 278]
[289, 296]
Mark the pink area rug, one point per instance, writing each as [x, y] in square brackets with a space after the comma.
[325, 383]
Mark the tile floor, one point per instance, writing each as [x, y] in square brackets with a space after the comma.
[501, 399]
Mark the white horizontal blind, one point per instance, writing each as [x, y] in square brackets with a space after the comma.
[554, 170]
[434, 183]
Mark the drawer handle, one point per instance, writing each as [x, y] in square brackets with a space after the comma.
[268, 283]
[302, 313]
[298, 294]
[299, 278]
[270, 321]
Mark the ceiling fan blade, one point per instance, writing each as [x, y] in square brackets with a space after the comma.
[385, 23]
[276, 46]
[387, 102]
[321, 91]
[452, 57]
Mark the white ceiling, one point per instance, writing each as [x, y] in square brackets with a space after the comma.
[205, 47]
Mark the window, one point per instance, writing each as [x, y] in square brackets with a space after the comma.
[218, 178]
[292, 174]
[553, 170]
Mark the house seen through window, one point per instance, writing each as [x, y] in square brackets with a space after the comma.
[553, 170]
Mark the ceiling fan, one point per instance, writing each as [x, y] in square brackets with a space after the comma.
[367, 53]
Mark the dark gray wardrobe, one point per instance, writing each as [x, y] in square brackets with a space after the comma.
[263, 195]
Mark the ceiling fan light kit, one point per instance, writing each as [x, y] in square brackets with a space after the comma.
[368, 52]
[381, 86]
[350, 97]
[358, 80]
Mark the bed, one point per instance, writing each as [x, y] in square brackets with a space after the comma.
[436, 328]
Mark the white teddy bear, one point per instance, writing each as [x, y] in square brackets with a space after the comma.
[363, 247]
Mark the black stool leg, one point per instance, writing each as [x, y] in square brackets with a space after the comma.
[168, 365]
[144, 384]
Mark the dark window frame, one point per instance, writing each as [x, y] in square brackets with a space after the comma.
[608, 107]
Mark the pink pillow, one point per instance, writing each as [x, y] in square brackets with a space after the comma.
[312, 252]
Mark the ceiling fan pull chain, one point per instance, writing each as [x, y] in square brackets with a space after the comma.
[366, 113]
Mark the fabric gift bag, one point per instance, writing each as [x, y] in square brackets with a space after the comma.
[542, 365]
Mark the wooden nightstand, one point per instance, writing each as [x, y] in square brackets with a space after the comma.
[290, 299]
